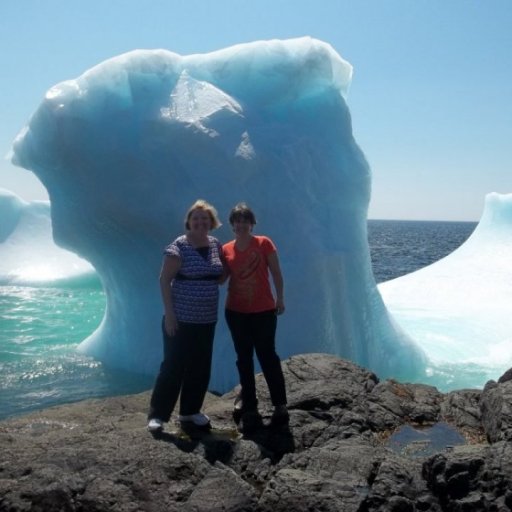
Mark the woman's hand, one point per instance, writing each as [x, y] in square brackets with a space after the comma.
[171, 325]
[277, 277]
[170, 267]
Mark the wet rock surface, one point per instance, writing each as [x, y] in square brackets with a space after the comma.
[336, 454]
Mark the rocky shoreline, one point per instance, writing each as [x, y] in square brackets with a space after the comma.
[354, 443]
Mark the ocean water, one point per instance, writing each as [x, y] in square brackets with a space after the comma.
[401, 247]
[40, 327]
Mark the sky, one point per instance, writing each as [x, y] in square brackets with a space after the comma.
[431, 95]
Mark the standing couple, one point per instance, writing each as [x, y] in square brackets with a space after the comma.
[194, 265]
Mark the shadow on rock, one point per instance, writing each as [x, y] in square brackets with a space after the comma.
[217, 445]
[277, 441]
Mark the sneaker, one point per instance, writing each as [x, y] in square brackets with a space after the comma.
[238, 405]
[238, 409]
[199, 419]
[280, 416]
[155, 425]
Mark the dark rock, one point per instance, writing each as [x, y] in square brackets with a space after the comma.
[97, 455]
[496, 411]
[462, 409]
[392, 403]
[505, 377]
[223, 490]
[476, 476]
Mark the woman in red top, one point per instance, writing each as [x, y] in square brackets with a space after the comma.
[251, 311]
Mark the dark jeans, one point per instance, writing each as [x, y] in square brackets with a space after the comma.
[256, 332]
[184, 372]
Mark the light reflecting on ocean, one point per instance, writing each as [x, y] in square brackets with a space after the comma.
[40, 329]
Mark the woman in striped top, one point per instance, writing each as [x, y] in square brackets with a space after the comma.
[189, 282]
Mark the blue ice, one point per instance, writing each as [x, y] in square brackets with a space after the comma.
[459, 309]
[28, 255]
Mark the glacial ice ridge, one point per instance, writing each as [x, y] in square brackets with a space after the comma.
[125, 148]
[28, 257]
[459, 309]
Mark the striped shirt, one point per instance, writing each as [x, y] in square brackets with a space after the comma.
[195, 290]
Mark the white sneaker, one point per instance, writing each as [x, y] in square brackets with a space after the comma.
[238, 403]
[199, 419]
[155, 425]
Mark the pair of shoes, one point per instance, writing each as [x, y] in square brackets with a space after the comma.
[280, 416]
[155, 425]
[199, 419]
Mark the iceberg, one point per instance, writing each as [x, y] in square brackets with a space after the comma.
[125, 148]
[28, 256]
[459, 309]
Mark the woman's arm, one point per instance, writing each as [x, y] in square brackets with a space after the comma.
[277, 278]
[225, 271]
[225, 268]
[224, 277]
[170, 267]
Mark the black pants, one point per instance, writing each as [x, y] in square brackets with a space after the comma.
[184, 372]
[256, 332]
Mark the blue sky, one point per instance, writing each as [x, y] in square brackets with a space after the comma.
[431, 97]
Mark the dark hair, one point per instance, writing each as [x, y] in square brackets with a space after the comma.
[241, 211]
[201, 204]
